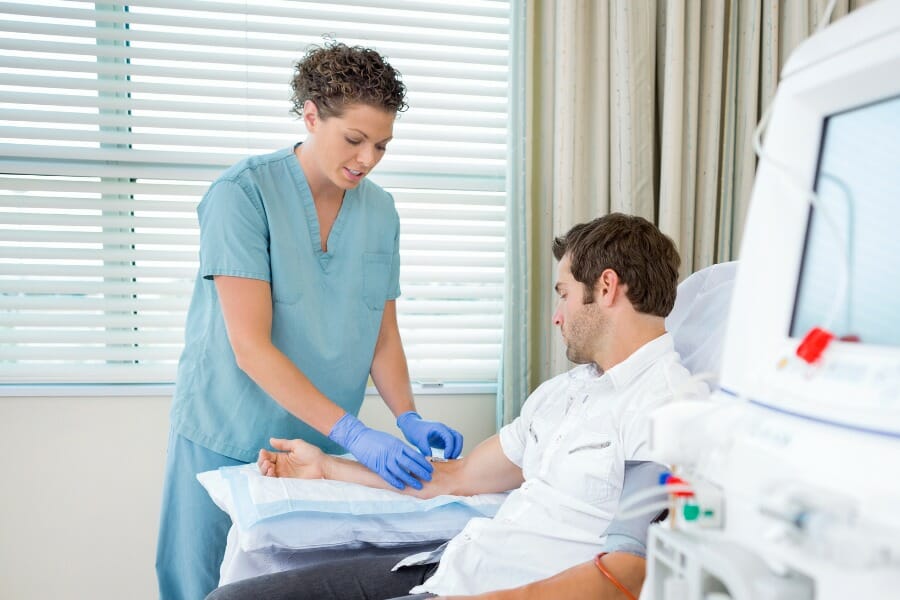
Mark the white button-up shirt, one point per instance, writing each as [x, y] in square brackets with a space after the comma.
[572, 440]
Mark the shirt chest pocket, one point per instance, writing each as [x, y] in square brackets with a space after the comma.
[591, 468]
[376, 279]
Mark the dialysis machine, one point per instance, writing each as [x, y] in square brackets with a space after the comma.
[792, 469]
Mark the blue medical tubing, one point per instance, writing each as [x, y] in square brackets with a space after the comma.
[391, 459]
[426, 435]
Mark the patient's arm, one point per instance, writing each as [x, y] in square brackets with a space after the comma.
[302, 460]
[485, 470]
[581, 582]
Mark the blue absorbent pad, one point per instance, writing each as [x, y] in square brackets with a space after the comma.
[285, 513]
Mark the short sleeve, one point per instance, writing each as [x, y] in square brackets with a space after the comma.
[635, 431]
[630, 535]
[394, 288]
[514, 437]
[512, 440]
[234, 234]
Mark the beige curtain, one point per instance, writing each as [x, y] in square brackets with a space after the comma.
[646, 107]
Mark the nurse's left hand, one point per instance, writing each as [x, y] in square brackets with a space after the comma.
[426, 435]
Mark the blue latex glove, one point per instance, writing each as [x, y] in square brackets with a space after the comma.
[394, 461]
[426, 435]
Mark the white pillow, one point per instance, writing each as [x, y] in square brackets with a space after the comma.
[700, 317]
[297, 514]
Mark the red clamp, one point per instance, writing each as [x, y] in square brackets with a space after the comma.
[814, 344]
[672, 480]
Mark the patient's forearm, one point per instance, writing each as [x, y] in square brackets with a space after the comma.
[581, 582]
[301, 460]
[341, 469]
[585, 581]
[486, 470]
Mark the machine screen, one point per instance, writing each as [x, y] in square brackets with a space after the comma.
[857, 217]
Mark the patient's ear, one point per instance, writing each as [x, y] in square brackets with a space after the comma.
[608, 288]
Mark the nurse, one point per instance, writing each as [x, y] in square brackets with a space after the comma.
[293, 309]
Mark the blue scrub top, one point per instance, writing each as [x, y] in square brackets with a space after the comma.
[258, 220]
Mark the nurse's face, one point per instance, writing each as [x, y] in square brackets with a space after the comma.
[344, 149]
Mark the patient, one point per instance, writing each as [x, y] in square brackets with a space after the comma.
[565, 457]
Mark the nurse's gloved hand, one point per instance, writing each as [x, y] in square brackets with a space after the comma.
[394, 461]
[426, 435]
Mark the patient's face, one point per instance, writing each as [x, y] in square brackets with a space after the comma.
[582, 325]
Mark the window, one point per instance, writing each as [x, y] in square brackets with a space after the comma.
[117, 116]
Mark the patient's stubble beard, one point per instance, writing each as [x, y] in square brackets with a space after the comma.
[583, 333]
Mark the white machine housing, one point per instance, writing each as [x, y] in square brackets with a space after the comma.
[798, 462]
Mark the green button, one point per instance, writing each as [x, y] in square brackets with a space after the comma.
[691, 512]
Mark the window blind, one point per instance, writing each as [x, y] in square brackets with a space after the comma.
[115, 117]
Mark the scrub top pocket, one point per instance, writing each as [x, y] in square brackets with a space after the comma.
[376, 279]
[285, 293]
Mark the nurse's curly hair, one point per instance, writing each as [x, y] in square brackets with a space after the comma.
[336, 75]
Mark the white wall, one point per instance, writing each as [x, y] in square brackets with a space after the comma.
[79, 502]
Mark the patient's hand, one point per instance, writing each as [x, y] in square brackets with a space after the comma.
[295, 458]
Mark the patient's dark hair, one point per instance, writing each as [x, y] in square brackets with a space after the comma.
[336, 75]
[643, 257]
